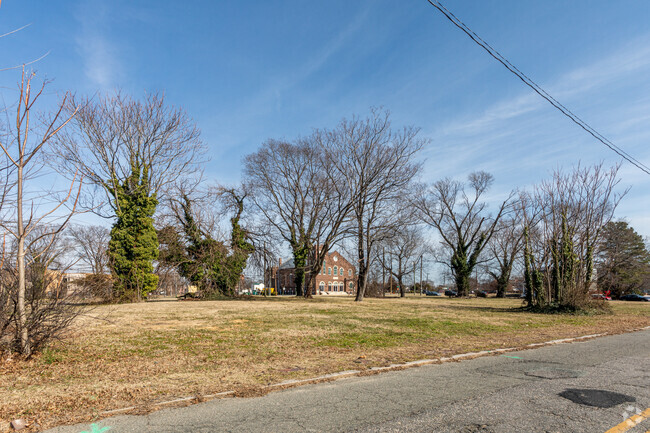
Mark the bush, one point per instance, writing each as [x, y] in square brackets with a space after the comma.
[49, 309]
[97, 287]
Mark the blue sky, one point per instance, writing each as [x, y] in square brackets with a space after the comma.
[248, 71]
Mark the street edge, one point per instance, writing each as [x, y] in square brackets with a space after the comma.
[373, 370]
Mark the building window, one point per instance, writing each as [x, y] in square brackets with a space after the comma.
[336, 270]
[321, 286]
[329, 286]
[323, 268]
[349, 272]
[329, 271]
[351, 286]
[341, 272]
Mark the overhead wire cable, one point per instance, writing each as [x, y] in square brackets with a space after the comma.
[538, 89]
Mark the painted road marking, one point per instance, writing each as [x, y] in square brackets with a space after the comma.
[513, 357]
[630, 422]
[94, 428]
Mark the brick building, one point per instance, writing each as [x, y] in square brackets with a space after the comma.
[337, 277]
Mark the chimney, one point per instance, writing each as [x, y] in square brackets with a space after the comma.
[280, 262]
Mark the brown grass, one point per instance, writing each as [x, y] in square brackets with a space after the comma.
[140, 354]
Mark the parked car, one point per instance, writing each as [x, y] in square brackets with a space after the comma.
[450, 293]
[601, 297]
[190, 295]
[431, 293]
[481, 294]
[634, 297]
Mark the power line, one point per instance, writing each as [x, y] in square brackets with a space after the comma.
[538, 89]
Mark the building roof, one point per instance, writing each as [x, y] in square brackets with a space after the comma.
[287, 265]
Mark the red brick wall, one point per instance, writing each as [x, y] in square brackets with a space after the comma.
[329, 280]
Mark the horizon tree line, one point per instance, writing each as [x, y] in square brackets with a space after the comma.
[137, 163]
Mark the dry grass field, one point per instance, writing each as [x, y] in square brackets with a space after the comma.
[138, 354]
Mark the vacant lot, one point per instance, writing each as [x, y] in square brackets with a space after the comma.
[122, 355]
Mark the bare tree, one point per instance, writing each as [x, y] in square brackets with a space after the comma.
[22, 145]
[298, 193]
[110, 134]
[194, 242]
[130, 151]
[460, 217]
[347, 181]
[377, 164]
[504, 249]
[91, 246]
[564, 217]
[401, 253]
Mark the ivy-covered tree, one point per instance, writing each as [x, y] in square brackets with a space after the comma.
[456, 211]
[129, 151]
[504, 248]
[564, 219]
[134, 242]
[240, 241]
[208, 263]
[294, 195]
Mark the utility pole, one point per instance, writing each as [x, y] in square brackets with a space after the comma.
[414, 264]
[265, 267]
[383, 272]
[420, 274]
[390, 273]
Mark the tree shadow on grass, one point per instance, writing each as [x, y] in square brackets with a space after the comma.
[486, 308]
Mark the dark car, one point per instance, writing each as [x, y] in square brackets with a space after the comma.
[481, 294]
[634, 297]
[190, 295]
[450, 293]
[431, 293]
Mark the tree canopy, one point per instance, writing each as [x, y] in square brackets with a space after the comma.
[623, 261]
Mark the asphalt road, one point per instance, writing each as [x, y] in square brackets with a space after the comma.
[590, 386]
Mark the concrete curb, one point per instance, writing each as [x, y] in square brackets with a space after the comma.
[372, 370]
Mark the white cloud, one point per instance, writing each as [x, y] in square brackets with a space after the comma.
[522, 139]
[99, 54]
[513, 120]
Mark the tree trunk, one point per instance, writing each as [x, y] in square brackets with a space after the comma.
[361, 282]
[462, 282]
[402, 289]
[299, 279]
[306, 287]
[502, 281]
[501, 289]
[25, 348]
[361, 276]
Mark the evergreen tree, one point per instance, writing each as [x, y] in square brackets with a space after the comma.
[134, 242]
[623, 261]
